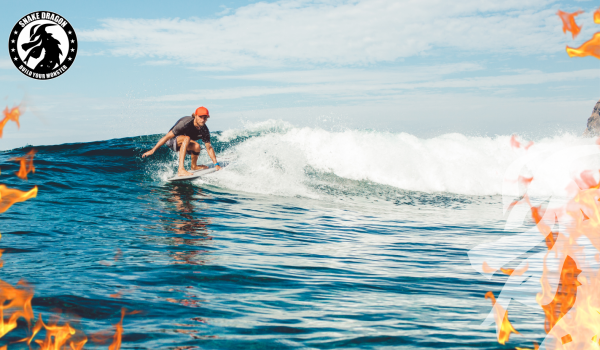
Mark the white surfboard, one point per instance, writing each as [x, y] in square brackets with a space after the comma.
[198, 173]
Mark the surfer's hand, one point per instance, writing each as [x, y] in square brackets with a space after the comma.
[149, 153]
[218, 167]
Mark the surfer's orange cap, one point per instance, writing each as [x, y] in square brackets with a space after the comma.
[201, 111]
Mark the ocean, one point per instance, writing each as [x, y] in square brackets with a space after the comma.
[309, 239]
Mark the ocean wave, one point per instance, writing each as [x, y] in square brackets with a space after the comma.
[277, 158]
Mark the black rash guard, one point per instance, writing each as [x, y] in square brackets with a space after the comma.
[185, 127]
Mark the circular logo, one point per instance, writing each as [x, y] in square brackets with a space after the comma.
[42, 45]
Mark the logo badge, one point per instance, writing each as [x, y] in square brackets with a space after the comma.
[42, 45]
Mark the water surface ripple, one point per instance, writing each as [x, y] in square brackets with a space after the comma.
[215, 268]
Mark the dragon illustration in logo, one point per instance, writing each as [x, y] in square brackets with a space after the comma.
[39, 41]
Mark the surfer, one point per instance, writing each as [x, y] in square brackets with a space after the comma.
[182, 138]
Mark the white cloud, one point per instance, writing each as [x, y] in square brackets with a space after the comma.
[403, 74]
[359, 32]
[159, 63]
[375, 85]
[6, 64]
[418, 112]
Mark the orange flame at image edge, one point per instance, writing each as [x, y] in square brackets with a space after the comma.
[12, 114]
[10, 196]
[569, 23]
[588, 48]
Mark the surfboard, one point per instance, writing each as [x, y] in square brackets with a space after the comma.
[198, 173]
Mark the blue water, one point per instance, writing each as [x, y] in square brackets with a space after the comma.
[218, 263]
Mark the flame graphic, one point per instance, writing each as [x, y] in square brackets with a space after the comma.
[588, 48]
[18, 299]
[572, 308]
[26, 164]
[501, 317]
[513, 272]
[116, 344]
[15, 302]
[56, 336]
[9, 196]
[570, 277]
[12, 114]
[564, 298]
[516, 144]
[487, 269]
[569, 23]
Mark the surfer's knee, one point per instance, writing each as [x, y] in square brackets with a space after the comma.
[195, 146]
[181, 139]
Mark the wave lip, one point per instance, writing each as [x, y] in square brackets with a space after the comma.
[277, 158]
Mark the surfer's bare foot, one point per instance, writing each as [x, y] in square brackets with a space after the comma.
[199, 167]
[183, 172]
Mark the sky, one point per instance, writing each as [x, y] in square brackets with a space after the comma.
[425, 67]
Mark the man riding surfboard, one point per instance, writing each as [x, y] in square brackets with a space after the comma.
[182, 138]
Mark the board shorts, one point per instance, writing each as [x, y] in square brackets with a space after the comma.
[172, 144]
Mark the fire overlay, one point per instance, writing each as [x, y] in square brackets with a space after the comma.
[568, 269]
[15, 301]
[569, 23]
[588, 48]
[9, 196]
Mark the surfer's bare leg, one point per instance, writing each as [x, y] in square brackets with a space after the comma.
[185, 140]
[195, 148]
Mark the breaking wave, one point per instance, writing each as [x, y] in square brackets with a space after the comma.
[277, 158]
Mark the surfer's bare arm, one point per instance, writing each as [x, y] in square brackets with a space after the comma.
[211, 153]
[160, 142]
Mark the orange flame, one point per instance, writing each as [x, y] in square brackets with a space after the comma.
[13, 298]
[525, 180]
[569, 23]
[564, 298]
[566, 339]
[12, 114]
[56, 336]
[516, 144]
[26, 164]
[513, 272]
[18, 300]
[597, 16]
[9, 196]
[513, 142]
[588, 48]
[501, 317]
[116, 344]
[571, 307]
[487, 269]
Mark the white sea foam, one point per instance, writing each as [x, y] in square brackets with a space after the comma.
[276, 158]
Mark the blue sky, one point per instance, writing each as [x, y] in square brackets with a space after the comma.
[425, 67]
